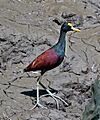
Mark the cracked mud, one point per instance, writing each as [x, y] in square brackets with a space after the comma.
[29, 27]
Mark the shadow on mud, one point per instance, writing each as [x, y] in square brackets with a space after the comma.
[32, 93]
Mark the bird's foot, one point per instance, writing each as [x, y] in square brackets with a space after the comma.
[38, 105]
[55, 97]
[61, 100]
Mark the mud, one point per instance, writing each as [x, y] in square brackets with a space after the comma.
[29, 27]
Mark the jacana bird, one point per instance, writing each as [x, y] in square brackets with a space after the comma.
[50, 59]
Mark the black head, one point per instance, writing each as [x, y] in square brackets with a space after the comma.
[68, 27]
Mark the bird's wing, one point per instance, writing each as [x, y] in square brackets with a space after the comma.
[47, 59]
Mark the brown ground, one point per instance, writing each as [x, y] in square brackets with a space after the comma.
[27, 28]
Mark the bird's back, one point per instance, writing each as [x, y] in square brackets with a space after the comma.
[46, 61]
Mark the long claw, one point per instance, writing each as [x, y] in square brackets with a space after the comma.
[52, 95]
[38, 105]
[61, 99]
[55, 97]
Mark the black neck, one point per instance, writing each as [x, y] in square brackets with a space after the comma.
[62, 37]
[60, 46]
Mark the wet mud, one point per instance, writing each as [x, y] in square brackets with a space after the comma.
[29, 27]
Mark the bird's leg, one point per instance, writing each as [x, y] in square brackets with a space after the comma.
[55, 97]
[37, 99]
[49, 93]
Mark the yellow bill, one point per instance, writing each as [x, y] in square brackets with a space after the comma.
[75, 29]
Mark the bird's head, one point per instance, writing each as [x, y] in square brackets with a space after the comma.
[68, 27]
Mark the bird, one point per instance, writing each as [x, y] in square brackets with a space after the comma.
[49, 59]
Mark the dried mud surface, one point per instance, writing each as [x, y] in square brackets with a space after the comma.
[29, 27]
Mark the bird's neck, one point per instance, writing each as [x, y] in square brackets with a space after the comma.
[62, 37]
[61, 44]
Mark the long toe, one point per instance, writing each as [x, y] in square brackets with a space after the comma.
[55, 97]
[61, 100]
[38, 105]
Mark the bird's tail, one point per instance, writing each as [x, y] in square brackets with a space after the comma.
[28, 68]
[25, 70]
